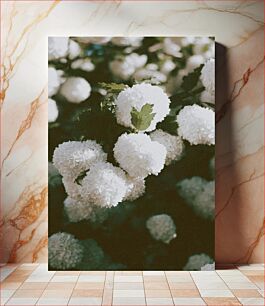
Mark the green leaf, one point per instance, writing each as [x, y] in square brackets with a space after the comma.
[113, 87]
[142, 119]
[191, 80]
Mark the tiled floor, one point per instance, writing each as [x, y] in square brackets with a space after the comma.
[32, 284]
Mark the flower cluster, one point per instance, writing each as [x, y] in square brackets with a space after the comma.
[127, 118]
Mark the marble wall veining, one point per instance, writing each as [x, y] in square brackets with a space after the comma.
[238, 25]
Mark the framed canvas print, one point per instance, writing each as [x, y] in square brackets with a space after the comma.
[131, 153]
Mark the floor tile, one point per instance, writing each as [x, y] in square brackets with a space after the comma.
[246, 293]
[128, 293]
[256, 278]
[235, 278]
[216, 293]
[250, 267]
[107, 297]
[215, 301]
[22, 301]
[232, 272]
[211, 285]
[156, 285]
[56, 294]
[261, 292]
[91, 278]
[123, 301]
[251, 301]
[64, 279]
[28, 293]
[87, 293]
[179, 278]
[147, 273]
[154, 278]
[53, 301]
[188, 301]
[253, 272]
[88, 285]
[128, 286]
[182, 293]
[85, 301]
[159, 301]
[128, 273]
[34, 286]
[9, 285]
[157, 293]
[60, 286]
[182, 286]
[245, 285]
[128, 279]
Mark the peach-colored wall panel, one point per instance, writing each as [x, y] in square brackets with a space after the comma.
[238, 25]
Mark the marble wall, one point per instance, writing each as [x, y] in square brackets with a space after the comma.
[238, 25]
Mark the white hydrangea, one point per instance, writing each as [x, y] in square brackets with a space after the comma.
[208, 75]
[171, 47]
[124, 68]
[54, 177]
[138, 155]
[197, 125]
[78, 210]
[161, 227]
[54, 81]
[83, 64]
[72, 188]
[127, 41]
[167, 66]
[73, 157]
[196, 262]
[201, 45]
[74, 49]
[57, 47]
[100, 40]
[208, 267]
[150, 72]
[179, 78]
[173, 144]
[208, 97]
[52, 110]
[186, 41]
[104, 185]
[135, 188]
[65, 251]
[137, 96]
[75, 89]
[199, 194]
[194, 62]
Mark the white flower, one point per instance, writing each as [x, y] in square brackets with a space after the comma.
[201, 45]
[54, 81]
[171, 48]
[194, 62]
[83, 64]
[65, 251]
[138, 155]
[167, 66]
[196, 262]
[197, 125]
[208, 97]
[161, 227]
[208, 267]
[72, 188]
[125, 68]
[104, 185]
[52, 110]
[151, 72]
[179, 78]
[173, 144]
[208, 75]
[137, 96]
[135, 188]
[57, 47]
[75, 89]
[78, 210]
[73, 157]
[127, 41]
[100, 40]
[199, 194]
[74, 49]
[185, 41]
[54, 176]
